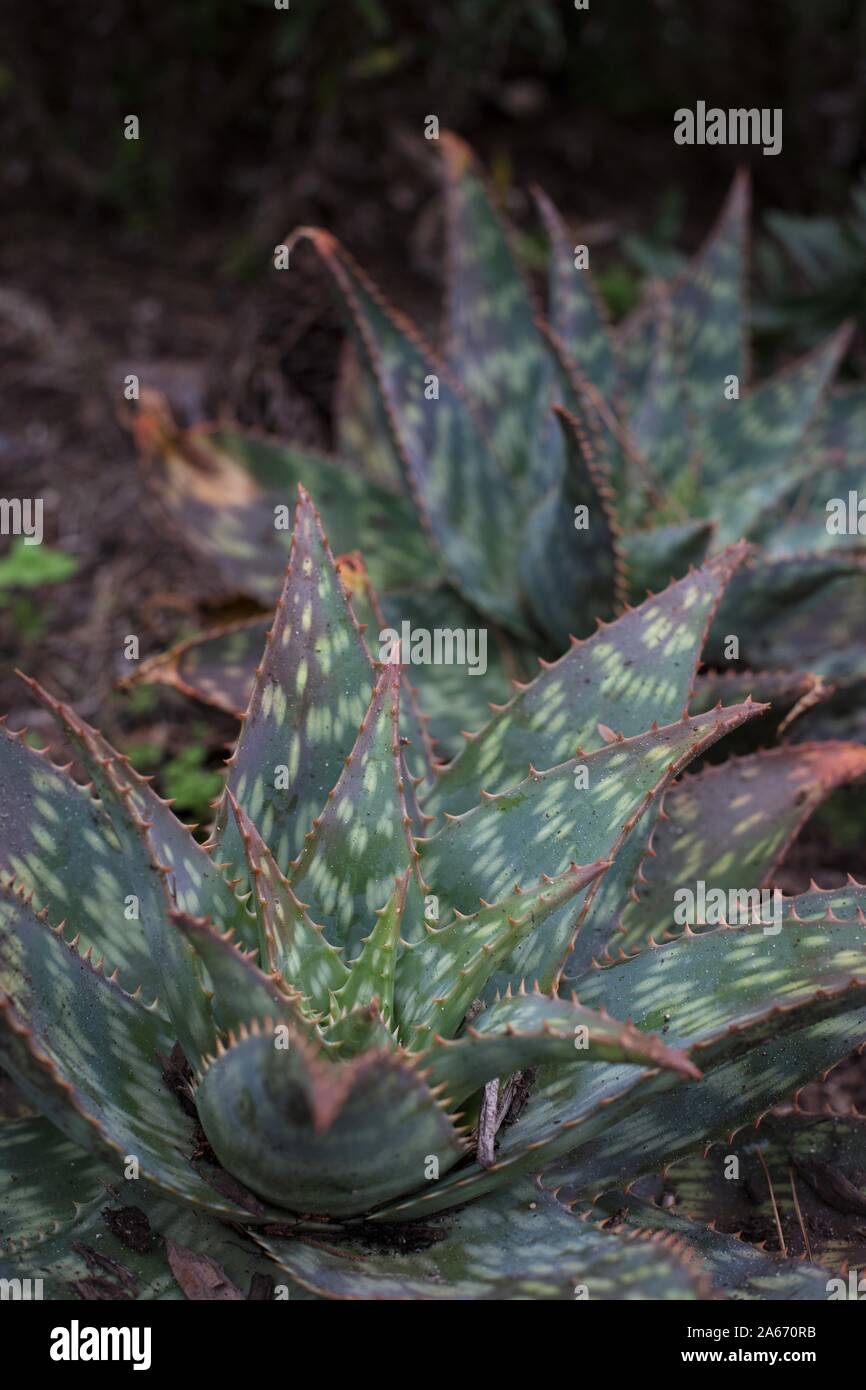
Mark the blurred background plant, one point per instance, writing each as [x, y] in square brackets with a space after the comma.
[154, 256]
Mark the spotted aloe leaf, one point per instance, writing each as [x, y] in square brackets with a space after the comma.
[735, 1268]
[661, 422]
[45, 1179]
[492, 344]
[520, 1245]
[230, 494]
[767, 979]
[241, 991]
[729, 826]
[571, 562]
[638, 669]
[363, 838]
[548, 816]
[311, 692]
[439, 976]
[455, 696]
[810, 1165]
[789, 693]
[95, 1246]
[329, 1137]
[362, 435]
[59, 842]
[792, 1006]
[709, 304]
[149, 862]
[87, 1053]
[562, 1111]
[747, 444]
[834, 445]
[292, 945]
[533, 1030]
[460, 489]
[375, 968]
[575, 308]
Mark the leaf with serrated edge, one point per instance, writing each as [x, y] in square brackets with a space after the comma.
[86, 1053]
[629, 673]
[655, 557]
[100, 1242]
[374, 969]
[241, 991]
[814, 1161]
[571, 576]
[546, 822]
[459, 488]
[362, 839]
[492, 343]
[439, 976]
[517, 1245]
[576, 310]
[312, 689]
[329, 1137]
[734, 1267]
[525, 1030]
[227, 492]
[730, 826]
[293, 945]
[732, 1094]
[218, 667]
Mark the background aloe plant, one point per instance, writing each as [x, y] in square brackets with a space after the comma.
[459, 482]
[312, 1081]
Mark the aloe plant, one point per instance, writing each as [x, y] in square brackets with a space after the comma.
[461, 485]
[329, 1053]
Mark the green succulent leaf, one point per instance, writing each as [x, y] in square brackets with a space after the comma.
[241, 991]
[515, 1245]
[661, 424]
[362, 839]
[329, 1137]
[796, 612]
[655, 557]
[162, 867]
[311, 692]
[735, 1268]
[374, 970]
[293, 946]
[439, 976]
[747, 444]
[571, 573]
[218, 667]
[46, 1182]
[790, 693]
[767, 979]
[459, 488]
[230, 492]
[575, 308]
[87, 1054]
[709, 303]
[729, 826]
[492, 343]
[811, 1165]
[523, 1030]
[362, 434]
[629, 673]
[66, 1222]
[730, 1095]
[552, 819]
[455, 696]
